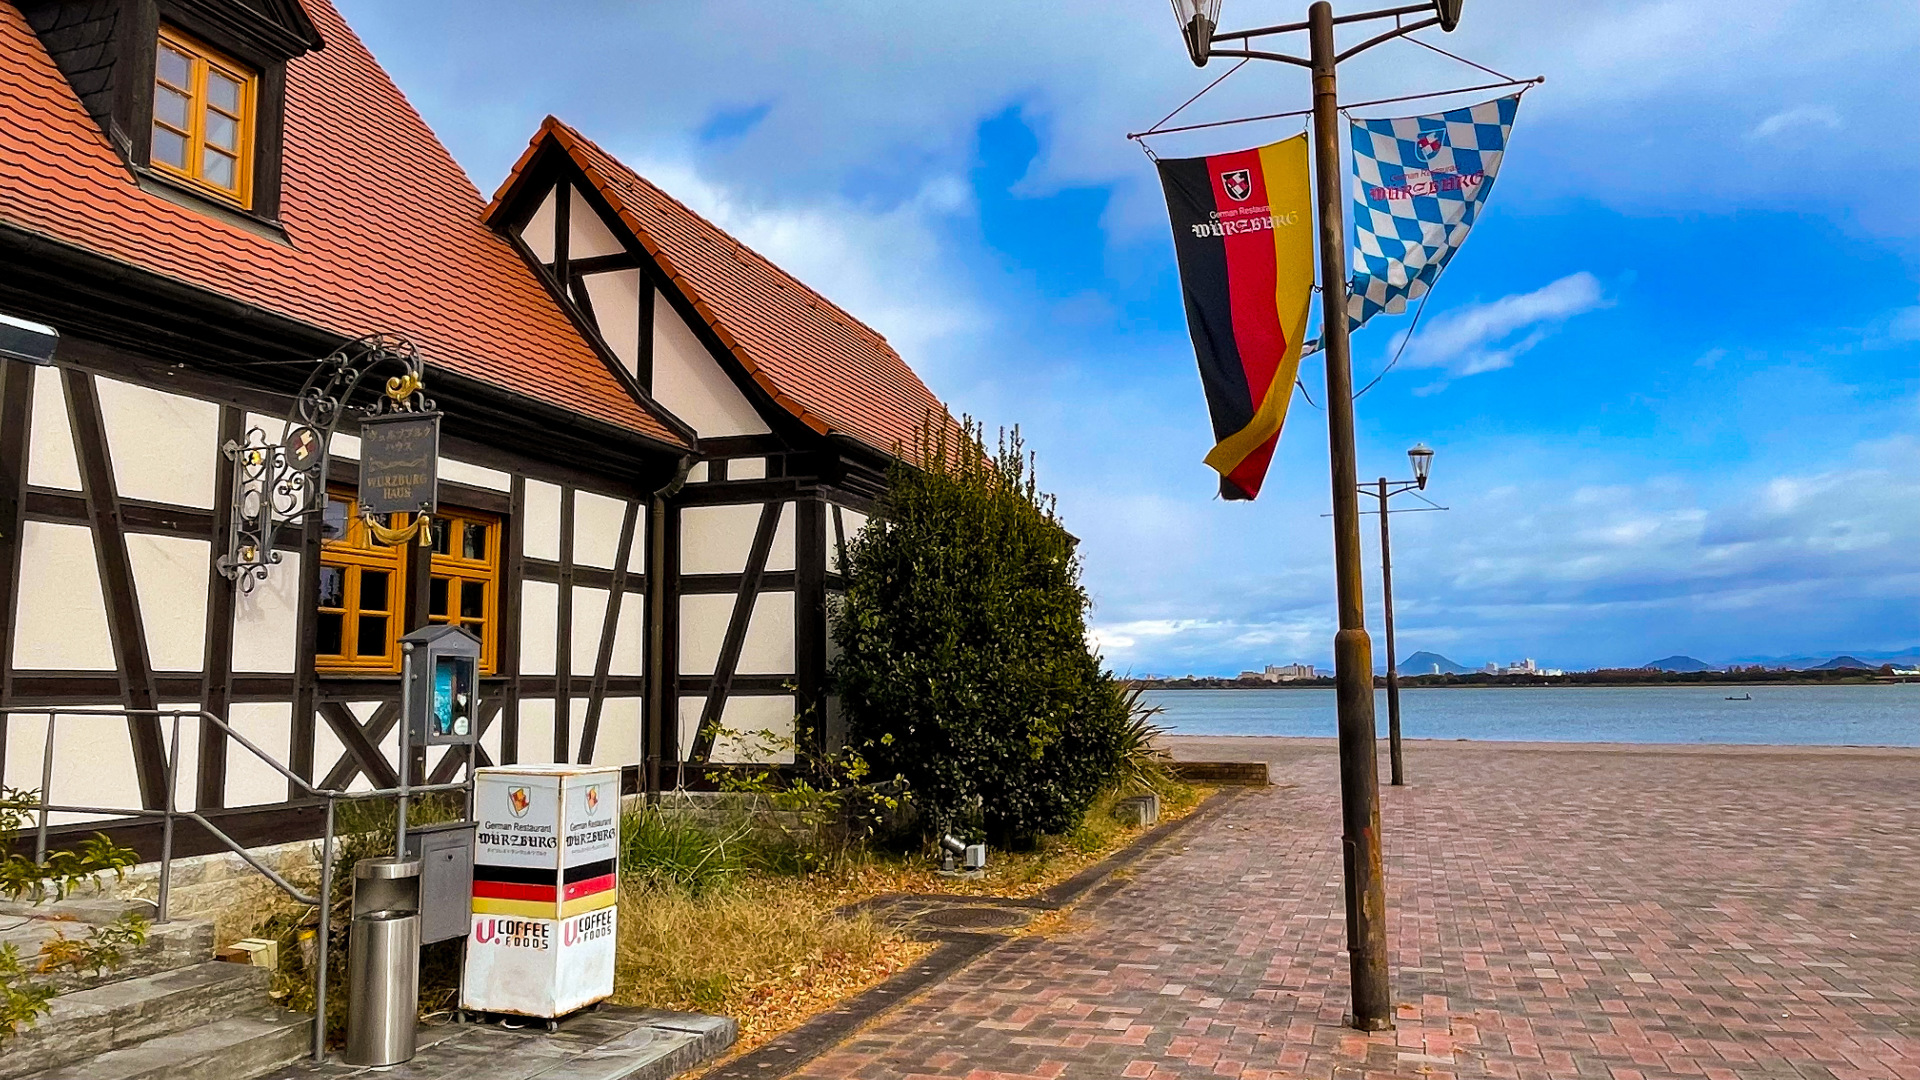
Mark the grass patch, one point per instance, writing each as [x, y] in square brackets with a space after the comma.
[709, 923]
[768, 951]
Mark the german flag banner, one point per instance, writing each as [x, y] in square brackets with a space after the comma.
[1243, 232]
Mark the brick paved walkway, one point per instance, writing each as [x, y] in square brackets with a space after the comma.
[1622, 913]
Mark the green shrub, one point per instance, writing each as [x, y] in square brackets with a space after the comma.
[964, 668]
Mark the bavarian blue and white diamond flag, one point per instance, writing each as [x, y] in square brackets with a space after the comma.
[1418, 185]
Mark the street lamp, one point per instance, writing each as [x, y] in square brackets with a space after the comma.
[1422, 458]
[1383, 489]
[1352, 650]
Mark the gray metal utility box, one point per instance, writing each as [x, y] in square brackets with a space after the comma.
[445, 852]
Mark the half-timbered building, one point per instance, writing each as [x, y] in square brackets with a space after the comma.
[655, 443]
[797, 408]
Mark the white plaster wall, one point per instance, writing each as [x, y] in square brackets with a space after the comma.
[697, 474]
[327, 749]
[461, 472]
[539, 623]
[538, 234]
[703, 626]
[165, 447]
[540, 531]
[689, 382]
[618, 742]
[780, 556]
[186, 782]
[629, 637]
[616, 310]
[754, 730]
[577, 728]
[343, 445]
[266, 621]
[589, 617]
[717, 539]
[768, 646]
[92, 762]
[61, 612]
[268, 725]
[51, 462]
[596, 529]
[747, 468]
[170, 583]
[536, 731]
[587, 235]
[637, 555]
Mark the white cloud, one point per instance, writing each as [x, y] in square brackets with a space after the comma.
[1803, 116]
[1487, 337]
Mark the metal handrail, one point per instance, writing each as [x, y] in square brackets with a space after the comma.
[168, 812]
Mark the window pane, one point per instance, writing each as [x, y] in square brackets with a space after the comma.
[170, 106]
[333, 588]
[373, 591]
[333, 523]
[373, 636]
[217, 169]
[174, 67]
[437, 596]
[169, 147]
[223, 92]
[475, 545]
[222, 131]
[439, 527]
[473, 600]
[328, 639]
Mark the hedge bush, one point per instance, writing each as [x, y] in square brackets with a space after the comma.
[963, 663]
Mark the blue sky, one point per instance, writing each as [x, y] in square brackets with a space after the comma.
[1673, 378]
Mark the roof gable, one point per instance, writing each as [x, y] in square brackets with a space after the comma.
[832, 372]
[384, 231]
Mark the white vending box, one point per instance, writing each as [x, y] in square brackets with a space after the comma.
[546, 886]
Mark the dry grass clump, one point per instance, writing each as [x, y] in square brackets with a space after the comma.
[767, 951]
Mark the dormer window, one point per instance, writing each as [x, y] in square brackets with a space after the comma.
[203, 108]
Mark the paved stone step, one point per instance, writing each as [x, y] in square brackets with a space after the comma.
[237, 1048]
[120, 1014]
[169, 945]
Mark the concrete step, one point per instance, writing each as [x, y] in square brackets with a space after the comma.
[120, 1014]
[237, 1048]
[169, 945]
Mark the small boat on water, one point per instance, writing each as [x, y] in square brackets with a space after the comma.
[1742, 697]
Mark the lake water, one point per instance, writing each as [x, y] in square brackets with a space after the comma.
[1879, 715]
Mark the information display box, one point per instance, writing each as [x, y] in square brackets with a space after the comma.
[546, 885]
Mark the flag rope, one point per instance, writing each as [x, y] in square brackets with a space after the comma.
[1404, 338]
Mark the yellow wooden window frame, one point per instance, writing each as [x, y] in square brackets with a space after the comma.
[352, 554]
[202, 59]
[462, 573]
[358, 551]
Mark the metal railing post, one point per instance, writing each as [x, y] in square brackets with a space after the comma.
[46, 790]
[166, 827]
[323, 949]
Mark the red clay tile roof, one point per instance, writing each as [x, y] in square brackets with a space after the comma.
[387, 233]
[818, 362]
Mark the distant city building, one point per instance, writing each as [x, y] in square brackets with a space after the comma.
[1281, 673]
[1521, 667]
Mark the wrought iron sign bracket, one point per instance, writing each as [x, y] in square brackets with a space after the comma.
[277, 486]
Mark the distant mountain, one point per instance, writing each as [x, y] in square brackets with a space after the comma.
[1908, 657]
[1679, 663]
[1839, 662]
[1423, 663]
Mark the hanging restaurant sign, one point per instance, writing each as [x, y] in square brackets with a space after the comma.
[1243, 234]
[399, 455]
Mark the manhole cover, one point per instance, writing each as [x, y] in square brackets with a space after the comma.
[971, 918]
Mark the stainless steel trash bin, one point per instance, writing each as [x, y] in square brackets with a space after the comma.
[383, 962]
